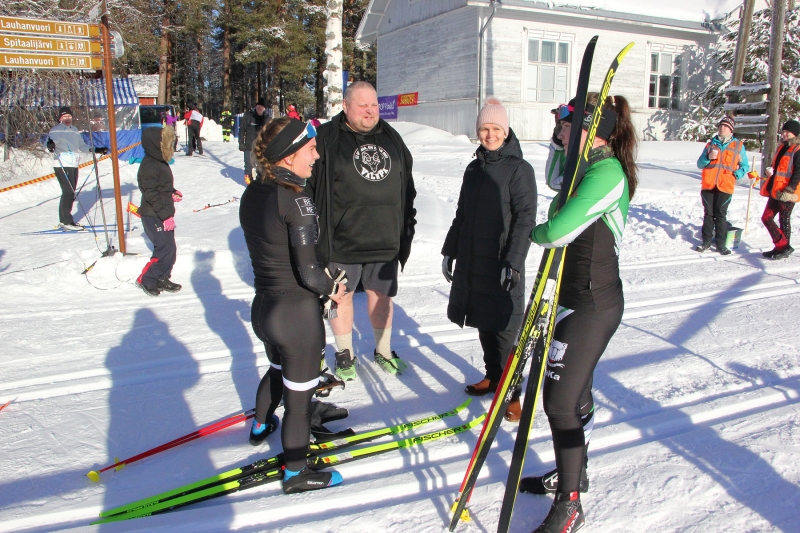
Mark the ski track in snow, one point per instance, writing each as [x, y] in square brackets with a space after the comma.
[697, 394]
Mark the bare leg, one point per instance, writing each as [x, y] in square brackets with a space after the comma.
[379, 308]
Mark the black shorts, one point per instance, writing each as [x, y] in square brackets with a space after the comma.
[378, 277]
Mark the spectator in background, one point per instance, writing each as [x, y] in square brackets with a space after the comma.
[780, 186]
[65, 141]
[291, 112]
[251, 125]
[195, 123]
[723, 161]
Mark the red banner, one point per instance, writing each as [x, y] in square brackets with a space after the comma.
[407, 99]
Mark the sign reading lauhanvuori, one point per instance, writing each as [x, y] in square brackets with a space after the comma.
[48, 27]
[63, 62]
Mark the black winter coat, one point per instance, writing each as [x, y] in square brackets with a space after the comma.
[494, 219]
[320, 188]
[249, 127]
[155, 178]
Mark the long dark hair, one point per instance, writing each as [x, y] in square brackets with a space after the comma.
[624, 141]
[265, 136]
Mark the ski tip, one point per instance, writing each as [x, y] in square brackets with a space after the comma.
[93, 475]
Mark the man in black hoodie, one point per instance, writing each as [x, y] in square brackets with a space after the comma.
[251, 124]
[363, 189]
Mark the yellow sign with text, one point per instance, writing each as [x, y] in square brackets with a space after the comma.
[47, 44]
[49, 61]
[48, 27]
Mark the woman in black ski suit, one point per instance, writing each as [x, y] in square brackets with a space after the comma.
[158, 209]
[489, 241]
[280, 227]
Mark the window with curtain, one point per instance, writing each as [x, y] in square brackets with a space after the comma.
[548, 71]
[665, 80]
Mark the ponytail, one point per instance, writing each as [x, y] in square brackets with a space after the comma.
[624, 141]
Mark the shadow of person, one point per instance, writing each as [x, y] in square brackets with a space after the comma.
[151, 372]
[228, 318]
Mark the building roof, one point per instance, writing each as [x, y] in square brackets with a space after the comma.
[146, 84]
[700, 15]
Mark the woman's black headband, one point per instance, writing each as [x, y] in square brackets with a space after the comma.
[290, 139]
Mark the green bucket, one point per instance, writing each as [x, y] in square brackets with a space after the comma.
[733, 238]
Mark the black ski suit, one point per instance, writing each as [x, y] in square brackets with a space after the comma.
[494, 218]
[157, 187]
[249, 128]
[280, 228]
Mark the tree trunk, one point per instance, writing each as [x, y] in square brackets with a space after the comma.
[258, 81]
[319, 86]
[226, 60]
[200, 83]
[775, 66]
[333, 58]
[170, 71]
[163, 60]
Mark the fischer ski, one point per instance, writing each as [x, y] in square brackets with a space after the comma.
[539, 309]
[542, 347]
[209, 206]
[272, 470]
[315, 449]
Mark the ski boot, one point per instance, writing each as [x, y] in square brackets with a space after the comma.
[168, 285]
[307, 479]
[565, 516]
[259, 432]
[393, 365]
[548, 483]
[345, 368]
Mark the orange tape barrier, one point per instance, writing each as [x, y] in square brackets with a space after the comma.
[53, 175]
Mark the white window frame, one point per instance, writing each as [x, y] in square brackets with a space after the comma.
[534, 68]
[675, 102]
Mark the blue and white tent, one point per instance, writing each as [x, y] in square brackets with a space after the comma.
[51, 93]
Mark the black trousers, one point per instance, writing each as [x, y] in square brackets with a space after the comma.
[715, 215]
[194, 138]
[293, 334]
[164, 252]
[68, 179]
[496, 346]
[580, 338]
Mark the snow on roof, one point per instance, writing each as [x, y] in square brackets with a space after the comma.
[146, 84]
[687, 10]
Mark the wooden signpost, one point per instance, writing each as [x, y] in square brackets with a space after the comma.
[54, 44]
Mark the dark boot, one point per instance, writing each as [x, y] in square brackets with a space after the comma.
[168, 285]
[783, 254]
[548, 483]
[148, 290]
[307, 479]
[702, 247]
[259, 432]
[565, 516]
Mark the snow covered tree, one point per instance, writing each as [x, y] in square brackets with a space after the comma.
[333, 55]
[706, 110]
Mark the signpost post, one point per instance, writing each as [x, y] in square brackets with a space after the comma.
[24, 43]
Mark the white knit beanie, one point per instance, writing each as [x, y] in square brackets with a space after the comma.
[493, 112]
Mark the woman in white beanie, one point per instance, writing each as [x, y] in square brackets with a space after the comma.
[489, 241]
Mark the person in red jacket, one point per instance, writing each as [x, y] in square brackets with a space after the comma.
[291, 112]
[779, 185]
[723, 161]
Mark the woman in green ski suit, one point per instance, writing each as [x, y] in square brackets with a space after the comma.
[590, 302]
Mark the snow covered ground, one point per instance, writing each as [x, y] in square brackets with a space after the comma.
[698, 394]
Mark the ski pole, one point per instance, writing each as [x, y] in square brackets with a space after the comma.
[5, 404]
[749, 196]
[94, 475]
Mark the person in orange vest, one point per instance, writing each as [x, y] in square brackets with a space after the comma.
[780, 184]
[723, 161]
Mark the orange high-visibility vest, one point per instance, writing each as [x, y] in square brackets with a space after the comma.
[782, 172]
[719, 172]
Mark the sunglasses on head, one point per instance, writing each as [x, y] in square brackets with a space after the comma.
[563, 111]
[309, 132]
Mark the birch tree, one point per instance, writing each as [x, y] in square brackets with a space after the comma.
[333, 56]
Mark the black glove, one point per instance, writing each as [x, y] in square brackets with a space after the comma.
[51, 146]
[509, 277]
[447, 268]
[101, 150]
[556, 140]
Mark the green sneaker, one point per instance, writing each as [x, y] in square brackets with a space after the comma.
[393, 365]
[345, 366]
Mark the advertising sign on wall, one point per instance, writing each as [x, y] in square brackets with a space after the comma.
[388, 107]
[407, 99]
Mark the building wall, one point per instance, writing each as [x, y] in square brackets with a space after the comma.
[438, 59]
